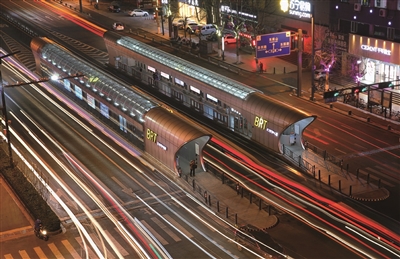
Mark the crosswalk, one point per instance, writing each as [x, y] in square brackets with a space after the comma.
[73, 246]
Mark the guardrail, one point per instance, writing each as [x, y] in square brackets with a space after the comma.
[219, 207]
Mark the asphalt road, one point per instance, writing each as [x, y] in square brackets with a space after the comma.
[352, 141]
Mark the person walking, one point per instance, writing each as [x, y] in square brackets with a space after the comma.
[193, 166]
[261, 67]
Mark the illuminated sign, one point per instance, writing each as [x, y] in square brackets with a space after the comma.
[212, 98]
[104, 110]
[161, 146]
[273, 44]
[179, 82]
[376, 49]
[194, 89]
[302, 9]
[259, 122]
[90, 101]
[151, 135]
[273, 132]
[227, 9]
[165, 75]
[193, 2]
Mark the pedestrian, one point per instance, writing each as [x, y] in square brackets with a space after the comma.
[341, 165]
[261, 67]
[193, 166]
[38, 222]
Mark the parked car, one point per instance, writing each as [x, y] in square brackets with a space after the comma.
[138, 12]
[319, 74]
[118, 26]
[248, 235]
[229, 39]
[192, 27]
[208, 29]
[179, 22]
[114, 8]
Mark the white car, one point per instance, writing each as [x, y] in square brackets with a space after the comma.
[229, 39]
[208, 29]
[180, 21]
[118, 26]
[192, 27]
[138, 12]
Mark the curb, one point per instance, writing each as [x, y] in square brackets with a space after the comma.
[385, 195]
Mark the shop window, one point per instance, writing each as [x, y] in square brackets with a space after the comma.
[390, 33]
[354, 26]
[196, 105]
[177, 95]
[380, 31]
[365, 2]
[380, 3]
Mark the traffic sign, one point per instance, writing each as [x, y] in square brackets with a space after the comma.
[273, 44]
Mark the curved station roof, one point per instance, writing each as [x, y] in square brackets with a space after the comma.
[135, 104]
[204, 75]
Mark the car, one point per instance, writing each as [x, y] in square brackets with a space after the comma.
[247, 237]
[138, 12]
[320, 74]
[181, 21]
[229, 39]
[114, 8]
[118, 26]
[192, 27]
[208, 29]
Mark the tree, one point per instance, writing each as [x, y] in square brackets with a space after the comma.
[327, 53]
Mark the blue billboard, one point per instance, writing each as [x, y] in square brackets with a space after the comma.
[273, 44]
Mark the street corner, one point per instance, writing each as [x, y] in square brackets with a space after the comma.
[372, 195]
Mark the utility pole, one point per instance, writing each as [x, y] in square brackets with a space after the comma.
[312, 54]
[4, 110]
[299, 61]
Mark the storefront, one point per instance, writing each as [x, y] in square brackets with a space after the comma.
[379, 59]
[190, 8]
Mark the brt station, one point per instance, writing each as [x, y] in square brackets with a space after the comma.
[151, 128]
[238, 107]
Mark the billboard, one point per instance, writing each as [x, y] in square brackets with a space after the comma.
[273, 44]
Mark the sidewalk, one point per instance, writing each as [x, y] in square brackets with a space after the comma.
[15, 220]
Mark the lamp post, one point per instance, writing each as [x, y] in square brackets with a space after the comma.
[3, 98]
[3, 102]
[312, 54]
[223, 47]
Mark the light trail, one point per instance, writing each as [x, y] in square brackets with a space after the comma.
[51, 191]
[318, 200]
[99, 31]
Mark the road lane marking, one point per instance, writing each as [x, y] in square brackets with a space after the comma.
[71, 249]
[166, 229]
[117, 244]
[158, 236]
[179, 226]
[55, 251]
[40, 252]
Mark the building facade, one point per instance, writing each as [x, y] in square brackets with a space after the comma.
[373, 27]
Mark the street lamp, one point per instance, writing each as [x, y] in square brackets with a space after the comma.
[3, 102]
[223, 47]
[3, 99]
[312, 54]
